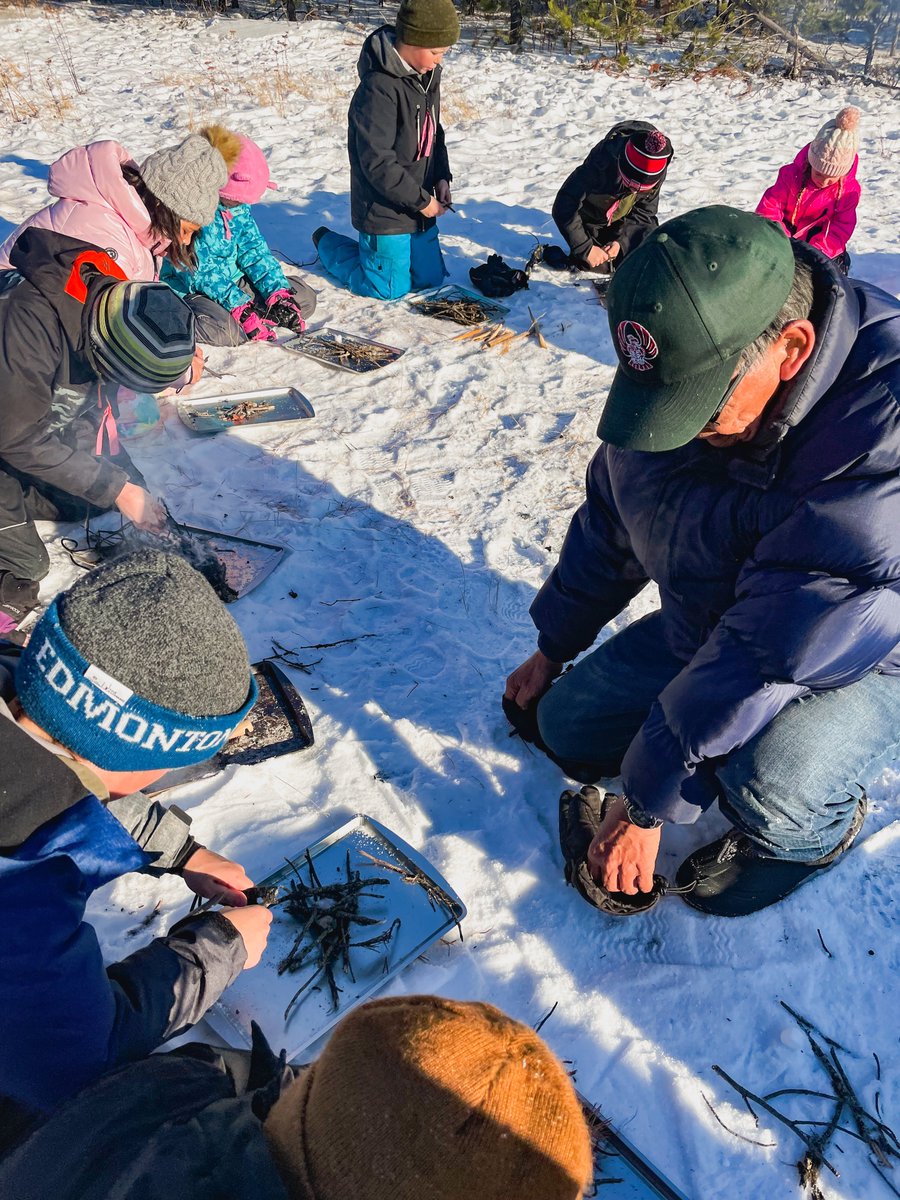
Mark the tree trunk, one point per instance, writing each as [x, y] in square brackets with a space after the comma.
[515, 22]
[290, 8]
[803, 46]
[794, 71]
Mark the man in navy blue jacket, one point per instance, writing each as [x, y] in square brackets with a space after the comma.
[750, 469]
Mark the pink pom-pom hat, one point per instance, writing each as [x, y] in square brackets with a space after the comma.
[249, 177]
[833, 150]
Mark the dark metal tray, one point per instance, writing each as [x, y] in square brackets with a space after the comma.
[281, 725]
[325, 345]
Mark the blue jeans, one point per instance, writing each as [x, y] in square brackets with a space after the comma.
[385, 266]
[793, 788]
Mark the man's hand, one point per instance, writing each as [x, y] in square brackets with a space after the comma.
[622, 856]
[433, 208]
[529, 682]
[252, 923]
[216, 878]
[442, 193]
[138, 506]
[596, 256]
[613, 249]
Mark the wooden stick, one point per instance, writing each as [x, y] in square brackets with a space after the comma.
[536, 325]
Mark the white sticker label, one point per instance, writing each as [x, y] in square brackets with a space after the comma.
[110, 687]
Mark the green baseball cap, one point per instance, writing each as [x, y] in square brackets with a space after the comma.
[681, 309]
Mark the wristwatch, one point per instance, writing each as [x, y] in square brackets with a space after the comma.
[638, 817]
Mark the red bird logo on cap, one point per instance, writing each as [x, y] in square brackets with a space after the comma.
[637, 345]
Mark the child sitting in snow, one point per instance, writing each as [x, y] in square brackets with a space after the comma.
[399, 172]
[238, 290]
[814, 198]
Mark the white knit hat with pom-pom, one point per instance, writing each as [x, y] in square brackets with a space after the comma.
[834, 147]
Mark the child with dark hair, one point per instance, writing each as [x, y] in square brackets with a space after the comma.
[236, 287]
[608, 205]
[814, 198]
[137, 214]
[399, 170]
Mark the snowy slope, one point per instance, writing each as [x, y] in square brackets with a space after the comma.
[423, 507]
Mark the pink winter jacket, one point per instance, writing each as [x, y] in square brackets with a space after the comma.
[96, 205]
[824, 217]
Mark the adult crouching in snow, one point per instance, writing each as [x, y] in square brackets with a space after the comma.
[137, 669]
[236, 287]
[71, 332]
[137, 214]
[750, 469]
[412, 1096]
[608, 205]
[399, 170]
[815, 197]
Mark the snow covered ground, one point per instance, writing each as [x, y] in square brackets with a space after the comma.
[423, 507]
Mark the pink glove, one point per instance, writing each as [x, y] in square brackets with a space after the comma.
[282, 308]
[256, 328]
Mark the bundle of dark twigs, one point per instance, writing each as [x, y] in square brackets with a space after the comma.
[847, 1116]
[461, 311]
[330, 919]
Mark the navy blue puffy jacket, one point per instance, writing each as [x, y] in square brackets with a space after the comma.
[778, 561]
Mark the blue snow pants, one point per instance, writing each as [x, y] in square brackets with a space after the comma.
[385, 266]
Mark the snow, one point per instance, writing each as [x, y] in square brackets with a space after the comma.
[423, 507]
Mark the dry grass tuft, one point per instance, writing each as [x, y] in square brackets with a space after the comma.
[32, 93]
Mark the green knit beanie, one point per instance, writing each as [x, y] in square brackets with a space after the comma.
[427, 23]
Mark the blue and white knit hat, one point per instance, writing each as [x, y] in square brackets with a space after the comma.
[138, 667]
[141, 335]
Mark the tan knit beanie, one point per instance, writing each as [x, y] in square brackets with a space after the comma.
[834, 147]
[420, 1098]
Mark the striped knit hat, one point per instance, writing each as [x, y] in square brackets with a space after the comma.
[643, 162]
[142, 335]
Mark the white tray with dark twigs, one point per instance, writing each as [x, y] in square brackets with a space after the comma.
[349, 913]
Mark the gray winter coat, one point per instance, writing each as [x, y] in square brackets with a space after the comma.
[179, 1126]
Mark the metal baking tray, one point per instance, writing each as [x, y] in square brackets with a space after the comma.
[281, 725]
[262, 994]
[246, 562]
[238, 410]
[452, 291]
[619, 1167]
[319, 345]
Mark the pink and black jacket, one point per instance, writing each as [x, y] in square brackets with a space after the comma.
[822, 217]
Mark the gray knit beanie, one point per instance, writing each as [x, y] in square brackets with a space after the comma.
[187, 178]
[155, 624]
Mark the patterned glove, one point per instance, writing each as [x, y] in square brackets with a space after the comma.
[282, 308]
[256, 327]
